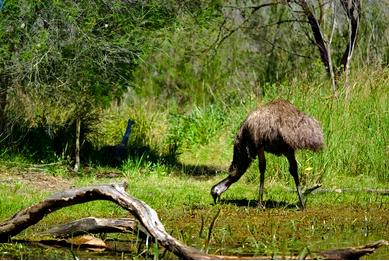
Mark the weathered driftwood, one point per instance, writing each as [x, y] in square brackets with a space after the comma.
[115, 193]
[84, 241]
[97, 225]
[147, 217]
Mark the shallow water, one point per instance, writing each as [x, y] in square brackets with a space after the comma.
[281, 231]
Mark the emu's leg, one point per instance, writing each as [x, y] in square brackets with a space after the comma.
[293, 171]
[262, 169]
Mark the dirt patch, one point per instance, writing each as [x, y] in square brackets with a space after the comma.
[36, 180]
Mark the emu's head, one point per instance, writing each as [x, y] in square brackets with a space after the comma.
[217, 190]
[240, 162]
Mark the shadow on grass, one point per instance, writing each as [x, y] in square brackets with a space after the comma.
[270, 204]
[41, 147]
[196, 170]
[114, 156]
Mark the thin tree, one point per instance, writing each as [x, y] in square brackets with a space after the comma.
[313, 13]
[352, 10]
[323, 45]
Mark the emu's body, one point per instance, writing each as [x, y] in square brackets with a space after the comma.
[279, 128]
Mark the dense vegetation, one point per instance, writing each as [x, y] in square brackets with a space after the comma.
[187, 73]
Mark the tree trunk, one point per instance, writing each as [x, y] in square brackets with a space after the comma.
[77, 149]
[320, 42]
[3, 103]
[353, 12]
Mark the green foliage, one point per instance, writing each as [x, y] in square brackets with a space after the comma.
[76, 56]
[178, 67]
[79, 58]
[197, 128]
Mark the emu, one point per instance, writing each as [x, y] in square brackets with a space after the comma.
[279, 128]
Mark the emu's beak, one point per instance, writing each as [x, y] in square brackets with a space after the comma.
[215, 198]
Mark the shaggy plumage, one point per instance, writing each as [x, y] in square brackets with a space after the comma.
[279, 128]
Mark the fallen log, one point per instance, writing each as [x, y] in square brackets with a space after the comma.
[85, 241]
[147, 217]
[97, 225]
[352, 253]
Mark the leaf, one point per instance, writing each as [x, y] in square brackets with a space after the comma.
[88, 241]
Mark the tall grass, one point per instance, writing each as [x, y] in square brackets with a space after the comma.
[355, 128]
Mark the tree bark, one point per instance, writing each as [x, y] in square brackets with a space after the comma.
[320, 42]
[98, 225]
[77, 149]
[353, 12]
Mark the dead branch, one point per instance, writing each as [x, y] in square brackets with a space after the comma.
[147, 217]
[384, 192]
[220, 39]
[310, 190]
[318, 190]
[97, 225]
[353, 253]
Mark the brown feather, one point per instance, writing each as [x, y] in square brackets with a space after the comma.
[278, 124]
